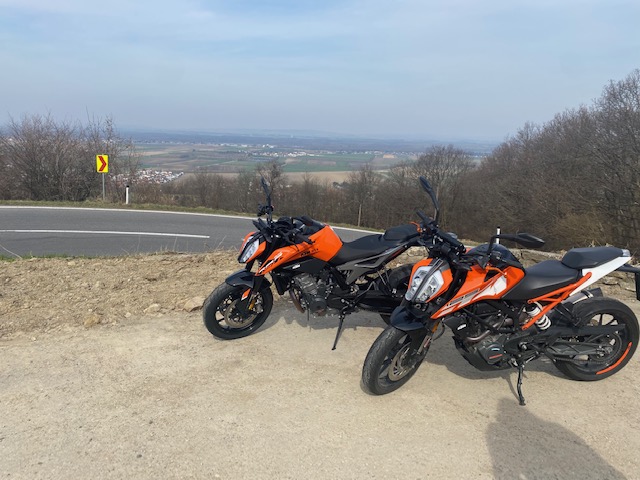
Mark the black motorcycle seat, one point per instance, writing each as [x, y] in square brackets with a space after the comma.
[364, 247]
[401, 233]
[543, 278]
[580, 258]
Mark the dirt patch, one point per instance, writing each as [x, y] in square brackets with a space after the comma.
[50, 294]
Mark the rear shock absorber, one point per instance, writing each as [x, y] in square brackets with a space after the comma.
[531, 311]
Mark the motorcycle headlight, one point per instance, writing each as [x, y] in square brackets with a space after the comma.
[424, 283]
[249, 250]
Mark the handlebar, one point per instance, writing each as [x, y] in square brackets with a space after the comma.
[431, 229]
[454, 242]
[286, 229]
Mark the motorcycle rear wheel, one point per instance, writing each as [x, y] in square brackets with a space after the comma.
[619, 347]
[227, 316]
[390, 363]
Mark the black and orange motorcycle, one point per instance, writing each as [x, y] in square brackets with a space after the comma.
[321, 273]
[504, 315]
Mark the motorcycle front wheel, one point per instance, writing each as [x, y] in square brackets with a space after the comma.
[614, 350]
[227, 316]
[392, 360]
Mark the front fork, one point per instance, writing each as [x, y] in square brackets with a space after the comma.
[420, 331]
[253, 283]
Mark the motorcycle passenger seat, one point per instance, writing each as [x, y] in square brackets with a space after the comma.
[542, 278]
[592, 257]
[401, 233]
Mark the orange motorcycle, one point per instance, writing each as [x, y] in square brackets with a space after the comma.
[321, 273]
[503, 315]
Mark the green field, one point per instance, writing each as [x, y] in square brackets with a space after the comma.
[233, 158]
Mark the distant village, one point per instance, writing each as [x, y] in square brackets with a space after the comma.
[158, 176]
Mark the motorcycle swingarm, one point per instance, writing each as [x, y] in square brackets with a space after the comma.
[589, 330]
[548, 338]
[554, 333]
[567, 351]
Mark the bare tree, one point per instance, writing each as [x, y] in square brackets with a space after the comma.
[43, 155]
[398, 195]
[307, 197]
[7, 180]
[52, 160]
[245, 191]
[362, 187]
[443, 166]
[273, 173]
[616, 150]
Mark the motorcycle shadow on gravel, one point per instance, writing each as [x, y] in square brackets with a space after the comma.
[443, 352]
[291, 315]
[523, 446]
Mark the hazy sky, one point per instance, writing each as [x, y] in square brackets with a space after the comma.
[433, 69]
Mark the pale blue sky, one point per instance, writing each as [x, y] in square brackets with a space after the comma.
[432, 69]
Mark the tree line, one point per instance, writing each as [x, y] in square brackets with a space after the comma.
[45, 159]
[574, 180]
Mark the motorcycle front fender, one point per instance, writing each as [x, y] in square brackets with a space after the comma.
[404, 320]
[244, 278]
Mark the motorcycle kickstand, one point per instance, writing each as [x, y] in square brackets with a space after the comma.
[520, 366]
[335, 342]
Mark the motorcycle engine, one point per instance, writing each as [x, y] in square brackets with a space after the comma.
[491, 349]
[478, 346]
[308, 292]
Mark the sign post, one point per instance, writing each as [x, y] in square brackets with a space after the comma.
[102, 166]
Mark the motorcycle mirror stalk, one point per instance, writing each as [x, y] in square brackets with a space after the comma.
[429, 189]
[268, 208]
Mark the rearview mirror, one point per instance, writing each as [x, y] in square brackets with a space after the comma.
[429, 189]
[265, 187]
[268, 208]
[525, 239]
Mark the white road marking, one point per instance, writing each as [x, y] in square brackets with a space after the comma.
[123, 210]
[108, 232]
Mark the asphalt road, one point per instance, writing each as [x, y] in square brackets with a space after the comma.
[109, 232]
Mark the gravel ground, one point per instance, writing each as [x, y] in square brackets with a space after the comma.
[104, 374]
